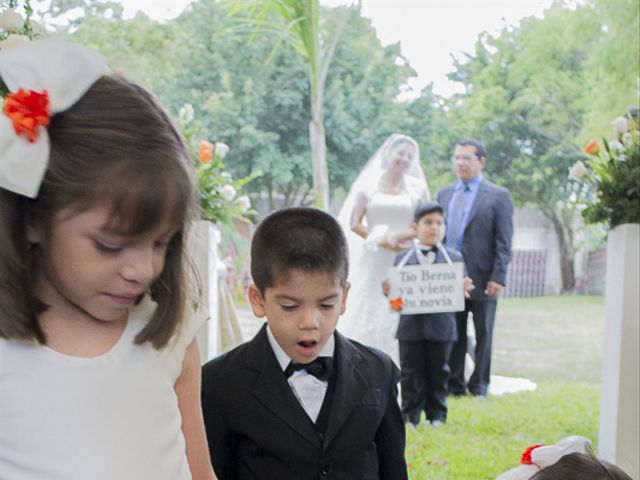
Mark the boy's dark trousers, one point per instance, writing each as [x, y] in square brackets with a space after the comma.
[424, 374]
[425, 343]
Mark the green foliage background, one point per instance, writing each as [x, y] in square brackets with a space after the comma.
[534, 94]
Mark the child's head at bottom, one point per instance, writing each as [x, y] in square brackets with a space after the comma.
[571, 458]
[115, 156]
[429, 223]
[581, 466]
[299, 267]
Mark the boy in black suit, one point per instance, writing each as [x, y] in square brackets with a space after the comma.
[426, 339]
[300, 401]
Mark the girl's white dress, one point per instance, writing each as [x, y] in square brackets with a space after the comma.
[111, 417]
[368, 318]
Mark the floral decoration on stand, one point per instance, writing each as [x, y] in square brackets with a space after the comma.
[221, 196]
[27, 109]
[16, 29]
[611, 176]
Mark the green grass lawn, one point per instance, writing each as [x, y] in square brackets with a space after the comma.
[553, 341]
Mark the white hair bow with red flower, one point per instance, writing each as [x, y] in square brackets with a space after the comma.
[44, 77]
[538, 457]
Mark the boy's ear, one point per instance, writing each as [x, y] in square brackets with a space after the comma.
[414, 227]
[343, 304]
[257, 301]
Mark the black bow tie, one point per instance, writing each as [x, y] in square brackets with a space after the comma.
[429, 249]
[319, 368]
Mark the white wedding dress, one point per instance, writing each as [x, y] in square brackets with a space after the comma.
[368, 318]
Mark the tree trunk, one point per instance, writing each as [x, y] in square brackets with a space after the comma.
[270, 196]
[316, 125]
[319, 155]
[567, 252]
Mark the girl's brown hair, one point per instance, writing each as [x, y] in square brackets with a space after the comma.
[115, 145]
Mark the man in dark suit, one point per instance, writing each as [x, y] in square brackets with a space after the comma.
[300, 401]
[480, 225]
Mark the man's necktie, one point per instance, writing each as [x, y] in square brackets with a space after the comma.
[455, 228]
[319, 368]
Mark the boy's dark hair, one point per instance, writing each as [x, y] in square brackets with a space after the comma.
[581, 466]
[117, 146]
[480, 150]
[425, 209]
[305, 239]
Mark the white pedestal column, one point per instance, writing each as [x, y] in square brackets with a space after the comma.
[203, 248]
[620, 401]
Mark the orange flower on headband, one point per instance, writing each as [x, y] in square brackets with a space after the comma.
[526, 455]
[205, 151]
[396, 303]
[27, 109]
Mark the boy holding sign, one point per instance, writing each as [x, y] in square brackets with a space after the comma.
[427, 285]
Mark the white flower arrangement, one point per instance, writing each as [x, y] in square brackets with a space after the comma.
[228, 192]
[244, 203]
[185, 115]
[578, 170]
[16, 29]
[11, 21]
[611, 176]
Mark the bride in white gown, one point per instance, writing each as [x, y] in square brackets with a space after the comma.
[376, 216]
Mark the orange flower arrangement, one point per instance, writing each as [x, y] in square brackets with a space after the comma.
[610, 177]
[592, 147]
[205, 151]
[27, 110]
[222, 199]
[396, 303]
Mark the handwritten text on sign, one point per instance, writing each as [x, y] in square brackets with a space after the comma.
[428, 288]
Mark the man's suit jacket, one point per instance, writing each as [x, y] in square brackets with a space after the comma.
[258, 430]
[486, 245]
[434, 327]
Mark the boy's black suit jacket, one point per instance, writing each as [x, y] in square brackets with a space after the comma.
[434, 327]
[257, 429]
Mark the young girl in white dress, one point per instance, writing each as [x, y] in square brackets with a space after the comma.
[377, 215]
[99, 369]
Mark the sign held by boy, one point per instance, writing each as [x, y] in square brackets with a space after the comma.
[427, 288]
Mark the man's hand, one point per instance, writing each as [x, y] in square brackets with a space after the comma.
[493, 289]
[468, 286]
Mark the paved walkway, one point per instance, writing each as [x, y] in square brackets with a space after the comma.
[499, 385]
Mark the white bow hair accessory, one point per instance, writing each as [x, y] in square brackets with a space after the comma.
[44, 77]
[538, 457]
